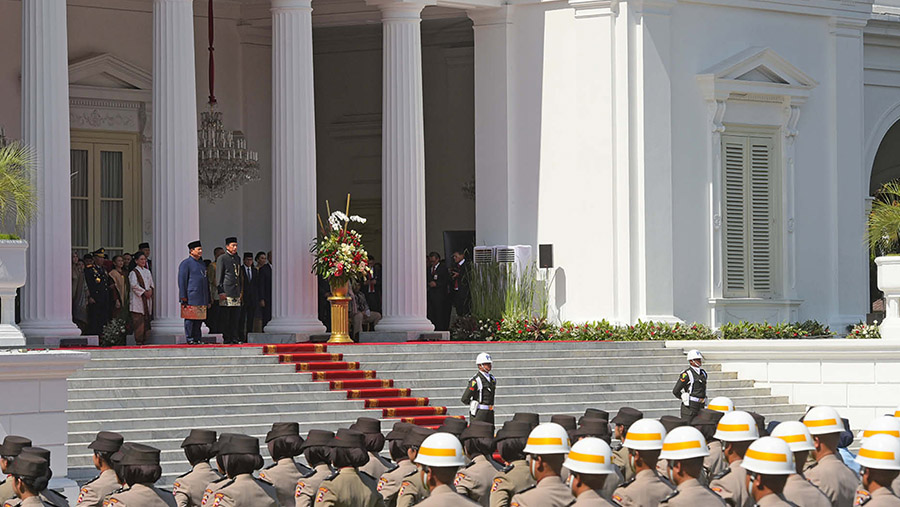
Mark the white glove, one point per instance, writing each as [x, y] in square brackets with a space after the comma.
[473, 407]
[686, 399]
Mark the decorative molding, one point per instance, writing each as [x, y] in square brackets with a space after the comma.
[96, 119]
[757, 74]
[107, 64]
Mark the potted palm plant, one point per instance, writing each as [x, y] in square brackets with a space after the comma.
[18, 205]
[883, 234]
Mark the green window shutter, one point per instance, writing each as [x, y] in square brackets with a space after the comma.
[761, 219]
[734, 204]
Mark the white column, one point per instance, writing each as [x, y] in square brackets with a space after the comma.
[295, 291]
[403, 171]
[46, 300]
[176, 206]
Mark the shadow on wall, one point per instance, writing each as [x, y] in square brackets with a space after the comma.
[559, 293]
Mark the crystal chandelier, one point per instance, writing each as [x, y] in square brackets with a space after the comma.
[225, 162]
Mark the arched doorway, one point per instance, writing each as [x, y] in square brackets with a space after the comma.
[885, 167]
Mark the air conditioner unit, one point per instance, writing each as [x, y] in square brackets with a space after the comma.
[483, 254]
[518, 255]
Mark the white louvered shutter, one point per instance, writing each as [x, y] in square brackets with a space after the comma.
[734, 221]
[762, 205]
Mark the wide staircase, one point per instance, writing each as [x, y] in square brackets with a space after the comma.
[156, 395]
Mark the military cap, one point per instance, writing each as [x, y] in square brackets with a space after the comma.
[143, 246]
[399, 432]
[760, 423]
[596, 413]
[137, 454]
[566, 421]
[628, 416]
[478, 429]
[706, 417]
[317, 438]
[230, 239]
[194, 244]
[513, 429]
[349, 439]
[220, 443]
[12, 445]
[116, 457]
[417, 435]
[529, 417]
[28, 465]
[196, 437]
[100, 252]
[107, 441]
[283, 429]
[366, 426]
[592, 427]
[240, 444]
[453, 426]
[670, 422]
[36, 451]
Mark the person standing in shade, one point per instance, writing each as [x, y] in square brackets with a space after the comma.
[141, 305]
[230, 286]
[212, 315]
[250, 296]
[480, 392]
[145, 247]
[438, 292]
[193, 289]
[99, 293]
[459, 274]
[265, 288]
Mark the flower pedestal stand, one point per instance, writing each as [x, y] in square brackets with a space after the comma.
[12, 276]
[889, 283]
[340, 317]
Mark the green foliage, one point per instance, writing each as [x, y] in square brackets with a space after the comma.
[862, 331]
[883, 225]
[339, 256]
[9, 236]
[18, 198]
[778, 331]
[500, 293]
[113, 333]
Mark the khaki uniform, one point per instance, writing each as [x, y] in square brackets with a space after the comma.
[93, 493]
[882, 497]
[774, 500]
[834, 479]
[412, 491]
[511, 480]
[895, 486]
[591, 498]
[691, 493]
[732, 486]
[305, 493]
[646, 490]
[444, 496]
[283, 476]
[188, 489]
[211, 489]
[620, 459]
[6, 490]
[377, 465]
[140, 495]
[48, 496]
[715, 463]
[611, 484]
[246, 490]
[349, 488]
[550, 492]
[389, 483]
[475, 480]
[34, 501]
[802, 492]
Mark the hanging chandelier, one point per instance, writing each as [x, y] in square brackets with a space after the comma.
[225, 162]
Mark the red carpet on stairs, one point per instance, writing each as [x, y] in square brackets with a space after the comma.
[359, 384]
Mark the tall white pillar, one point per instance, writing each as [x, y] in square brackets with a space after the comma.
[295, 291]
[176, 206]
[403, 170]
[46, 301]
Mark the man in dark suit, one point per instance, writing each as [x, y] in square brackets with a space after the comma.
[250, 298]
[99, 300]
[459, 275]
[265, 287]
[438, 292]
[372, 286]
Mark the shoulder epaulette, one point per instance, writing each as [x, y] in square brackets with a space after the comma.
[529, 488]
[83, 485]
[508, 468]
[179, 477]
[721, 474]
[220, 480]
[628, 482]
[273, 465]
[671, 496]
[229, 483]
[467, 465]
[571, 503]
[391, 468]
[414, 472]
[366, 474]
[333, 475]
[311, 473]
[665, 480]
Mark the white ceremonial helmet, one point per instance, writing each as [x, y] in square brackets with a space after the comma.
[483, 358]
[721, 404]
[684, 442]
[897, 412]
[590, 456]
[769, 456]
[441, 450]
[737, 426]
[694, 354]
[880, 452]
[645, 435]
[882, 425]
[795, 434]
[547, 438]
[823, 420]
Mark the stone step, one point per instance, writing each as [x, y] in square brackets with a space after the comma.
[178, 380]
[496, 347]
[537, 371]
[131, 362]
[336, 404]
[510, 354]
[459, 382]
[201, 351]
[183, 371]
[161, 392]
[560, 363]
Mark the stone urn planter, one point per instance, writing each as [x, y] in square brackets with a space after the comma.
[889, 284]
[12, 276]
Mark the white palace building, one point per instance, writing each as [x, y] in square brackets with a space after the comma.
[690, 160]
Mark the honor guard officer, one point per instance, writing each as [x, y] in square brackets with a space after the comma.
[684, 448]
[100, 297]
[389, 482]
[12, 446]
[546, 447]
[198, 449]
[644, 442]
[769, 462]
[29, 475]
[691, 386]
[317, 451]
[348, 487]
[479, 394]
[829, 474]
[737, 430]
[139, 467]
[412, 489]
[879, 457]
[516, 477]
[284, 442]
[623, 420]
[474, 480]
[590, 465]
[104, 446]
[440, 456]
[798, 489]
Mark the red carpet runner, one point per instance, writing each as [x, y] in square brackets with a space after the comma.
[375, 393]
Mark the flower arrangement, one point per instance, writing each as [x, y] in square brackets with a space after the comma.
[864, 331]
[339, 255]
[113, 333]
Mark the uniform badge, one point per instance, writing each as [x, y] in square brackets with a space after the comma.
[402, 487]
[84, 491]
[717, 489]
[496, 485]
[381, 483]
[458, 478]
[218, 499]
[321, 496]
[617, 498]
[514, 504]
[300, 487]
[684, 375]
[862, 498]
[262, 475]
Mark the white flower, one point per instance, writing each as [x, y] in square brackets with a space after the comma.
[357, 218]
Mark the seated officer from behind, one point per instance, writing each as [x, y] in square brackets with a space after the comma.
[371, 429]
[439, 457]
[706, 421]
[829, 474]
[104, 446]
[137, 465]
[590, 464]
[797, 489]
[598, 428]
[11, 447]
[879, 457]
[623, 420]
[29, 476]
[48, 496]
[317, 451]
[547, 447]
[474, 480]
[389, 482]
[510, 443]
[198, 449]
[737, 430]
[240, 456]
[684, 448]
[644, 443]
[769, 462]
[284, 442]
[348, 487]
[412, 489]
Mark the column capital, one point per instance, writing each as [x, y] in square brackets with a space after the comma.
[490, 17]
[401, 10]
[291, 4]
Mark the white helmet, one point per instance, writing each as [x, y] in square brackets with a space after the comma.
[483, 358]
[737, 426]
[694, 354]
[883, 424]
[590, 456]
[823, 420]
[547, 438]
[880, 452]
[795, 434]
[897, 412]
[684, 442]
[441, 450]
[769, 456]
[645, 435]
[721, 404]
